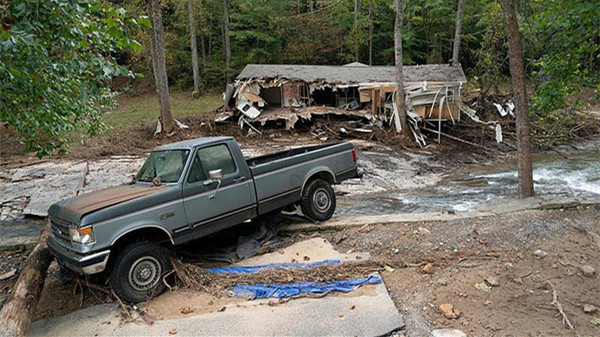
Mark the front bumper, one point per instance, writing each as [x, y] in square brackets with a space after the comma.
[87, 264]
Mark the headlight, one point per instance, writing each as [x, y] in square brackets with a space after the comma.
[82, 235]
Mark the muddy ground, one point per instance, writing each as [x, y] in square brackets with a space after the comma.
[464, 253]
[498, 272]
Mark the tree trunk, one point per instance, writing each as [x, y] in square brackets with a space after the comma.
[311, 6]
[459, 19]
[399, 67]
[370, 32]
[226, 39]
[356, 12]
[517, 73]
[18, 311]
[203, 48]
[194, 47]
[160, 67]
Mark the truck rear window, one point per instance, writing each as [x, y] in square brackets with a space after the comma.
[167, 165]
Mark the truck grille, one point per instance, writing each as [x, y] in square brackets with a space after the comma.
[60, 228]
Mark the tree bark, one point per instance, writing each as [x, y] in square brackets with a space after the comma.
[356, 13]
[370, 32]
[18, 311]
[517, 73]
[459, 19]
[226, 39]
[160, 67]
[399, 67]
[194, 48]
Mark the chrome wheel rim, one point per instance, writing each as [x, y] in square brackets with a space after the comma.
[144, 273]
[321, 200]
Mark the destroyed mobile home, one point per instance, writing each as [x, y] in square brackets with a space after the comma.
[286, 94]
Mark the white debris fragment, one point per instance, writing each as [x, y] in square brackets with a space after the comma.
[501, 110]
[158, 128]
[181, 125]
[498, 129]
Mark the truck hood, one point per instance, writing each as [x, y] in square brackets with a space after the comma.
[73, 209]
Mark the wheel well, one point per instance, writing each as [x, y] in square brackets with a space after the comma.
[149, 234]
[324, 175]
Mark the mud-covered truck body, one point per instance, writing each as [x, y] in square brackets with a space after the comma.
[185, 191]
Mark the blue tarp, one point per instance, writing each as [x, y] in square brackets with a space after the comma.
[299, 288]
[254, 269]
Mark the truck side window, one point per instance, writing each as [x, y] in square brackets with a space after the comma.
[217, 157]
[196, 171]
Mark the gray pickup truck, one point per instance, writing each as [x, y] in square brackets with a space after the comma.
[185, 191]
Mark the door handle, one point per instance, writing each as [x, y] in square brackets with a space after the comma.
[239, 179]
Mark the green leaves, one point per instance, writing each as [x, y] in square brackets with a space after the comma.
[564, 38]
[56, 68]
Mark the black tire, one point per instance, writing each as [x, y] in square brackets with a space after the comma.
[138, 271]
[318, 200]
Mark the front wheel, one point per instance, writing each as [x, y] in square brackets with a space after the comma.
[138, 271]
[318, 200]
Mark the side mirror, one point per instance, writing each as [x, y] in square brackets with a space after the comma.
[215, 175]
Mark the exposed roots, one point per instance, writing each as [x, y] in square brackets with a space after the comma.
[559, 307]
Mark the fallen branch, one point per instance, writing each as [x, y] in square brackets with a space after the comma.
[19, 310]
[559, 307]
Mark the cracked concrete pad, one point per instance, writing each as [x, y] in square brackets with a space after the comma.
[368, 311]
[328, 316]
[111, 172]
[55, 187]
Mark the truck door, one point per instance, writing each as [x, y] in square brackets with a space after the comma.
[208, 208]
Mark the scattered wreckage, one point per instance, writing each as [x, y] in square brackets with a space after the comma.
[286, 94]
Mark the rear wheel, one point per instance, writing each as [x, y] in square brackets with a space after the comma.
[318, 200]
[138, 271]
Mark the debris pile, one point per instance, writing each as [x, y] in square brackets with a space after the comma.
[196, 277]
[360, 95]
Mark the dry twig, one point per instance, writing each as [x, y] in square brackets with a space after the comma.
[559, 307]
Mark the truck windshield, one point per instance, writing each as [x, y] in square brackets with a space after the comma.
[167, 165]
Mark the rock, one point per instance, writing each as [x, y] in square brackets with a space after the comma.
[427, 269]
[448, 311]
[492, 281]
[508, 266]
[589, 308]
[540, 253]
[173, 331]
[424, 231]
[442, 282]
[447, 333]
[588, 270]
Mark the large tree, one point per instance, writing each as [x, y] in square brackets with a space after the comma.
[517, 73]
[56, 66]
[459, 22]
[226, 40]
[194, 47]
[400, 104]
[160, 68]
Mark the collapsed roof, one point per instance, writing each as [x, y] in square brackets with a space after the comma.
[353, 73]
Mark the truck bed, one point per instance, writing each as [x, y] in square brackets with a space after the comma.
[285, 154]
[280, 177]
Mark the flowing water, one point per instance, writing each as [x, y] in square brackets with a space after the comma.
[554, 175]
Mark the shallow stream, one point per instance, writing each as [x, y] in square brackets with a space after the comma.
[553, 175]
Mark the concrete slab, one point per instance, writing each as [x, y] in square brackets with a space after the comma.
[316, 249]
[55, 187]
[328, 316]
[368, 311]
